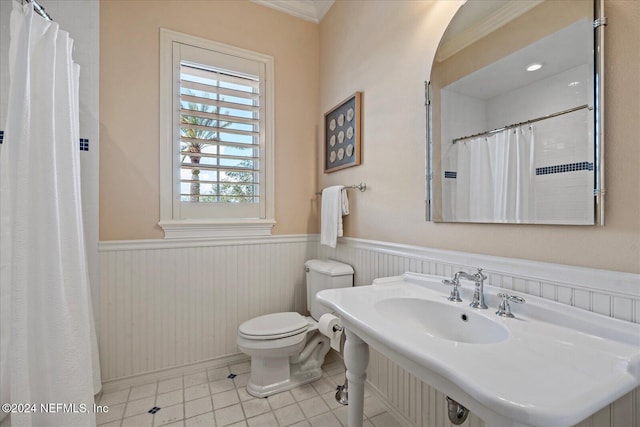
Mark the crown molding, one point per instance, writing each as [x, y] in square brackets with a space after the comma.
[309, 10]
[322, 7]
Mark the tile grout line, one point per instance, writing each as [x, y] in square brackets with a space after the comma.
[311, 391]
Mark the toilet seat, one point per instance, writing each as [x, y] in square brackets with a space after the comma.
[274, 326]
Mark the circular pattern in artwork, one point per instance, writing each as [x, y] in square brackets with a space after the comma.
[341, 135]
[350, 133]
[349, 150]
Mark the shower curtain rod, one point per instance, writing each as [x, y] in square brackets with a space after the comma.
[39, 9]
[515, 125]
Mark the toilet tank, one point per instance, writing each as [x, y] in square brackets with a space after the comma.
[325, 275]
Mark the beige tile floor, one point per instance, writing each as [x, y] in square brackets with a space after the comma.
[210, 398]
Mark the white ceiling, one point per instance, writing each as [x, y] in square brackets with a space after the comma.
[309, 10]
[557, 52]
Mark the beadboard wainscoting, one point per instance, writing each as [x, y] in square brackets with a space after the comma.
[166, 304]
[416, 403]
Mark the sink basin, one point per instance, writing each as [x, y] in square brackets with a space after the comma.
[443, 321]
[552, 365]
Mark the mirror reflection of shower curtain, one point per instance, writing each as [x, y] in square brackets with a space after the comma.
[495, 177]
[474, 187]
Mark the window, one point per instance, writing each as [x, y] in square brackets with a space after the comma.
[216, 119]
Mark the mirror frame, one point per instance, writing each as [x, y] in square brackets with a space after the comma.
[599, 24]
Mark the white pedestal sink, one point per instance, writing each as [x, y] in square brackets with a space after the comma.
[439, 319]
[551, 365]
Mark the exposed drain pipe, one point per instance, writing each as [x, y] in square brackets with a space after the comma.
[342, 392]
[457, 413]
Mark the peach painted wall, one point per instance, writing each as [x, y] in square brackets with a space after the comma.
[385, 49]
[129, 93]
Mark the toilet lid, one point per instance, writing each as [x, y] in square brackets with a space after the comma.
[274, 325]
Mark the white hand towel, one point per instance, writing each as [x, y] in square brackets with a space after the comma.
[334, 205]
[344, 201]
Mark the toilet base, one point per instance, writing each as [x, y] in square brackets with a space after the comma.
[294, 380]
[271, 375]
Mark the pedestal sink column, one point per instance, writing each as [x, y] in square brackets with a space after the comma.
[356, 359]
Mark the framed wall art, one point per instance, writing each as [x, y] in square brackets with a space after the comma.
[342, 129]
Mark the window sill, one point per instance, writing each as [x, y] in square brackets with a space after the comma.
[216, 229]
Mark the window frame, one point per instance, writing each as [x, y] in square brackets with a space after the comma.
[173, 225]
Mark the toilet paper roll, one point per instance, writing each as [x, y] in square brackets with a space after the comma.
[326, 327]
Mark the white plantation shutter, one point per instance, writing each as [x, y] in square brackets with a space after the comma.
[216, 139]
[220, 135]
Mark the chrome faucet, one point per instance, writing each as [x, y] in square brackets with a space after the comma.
[455, 293]
[478, 295]
[504, 309]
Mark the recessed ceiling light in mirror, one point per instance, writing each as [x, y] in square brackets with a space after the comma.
[534, 67]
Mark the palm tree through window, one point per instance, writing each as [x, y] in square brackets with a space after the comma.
[219, 135]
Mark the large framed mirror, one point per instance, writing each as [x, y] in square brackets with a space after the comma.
[515, 114]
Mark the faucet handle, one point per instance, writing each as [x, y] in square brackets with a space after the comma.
[504, 310]
[455, 294]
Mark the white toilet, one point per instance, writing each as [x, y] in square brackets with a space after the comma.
[286, 349]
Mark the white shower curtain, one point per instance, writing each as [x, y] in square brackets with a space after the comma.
[513, 172]
[474, 183]
[48, 343]
[495, 178]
